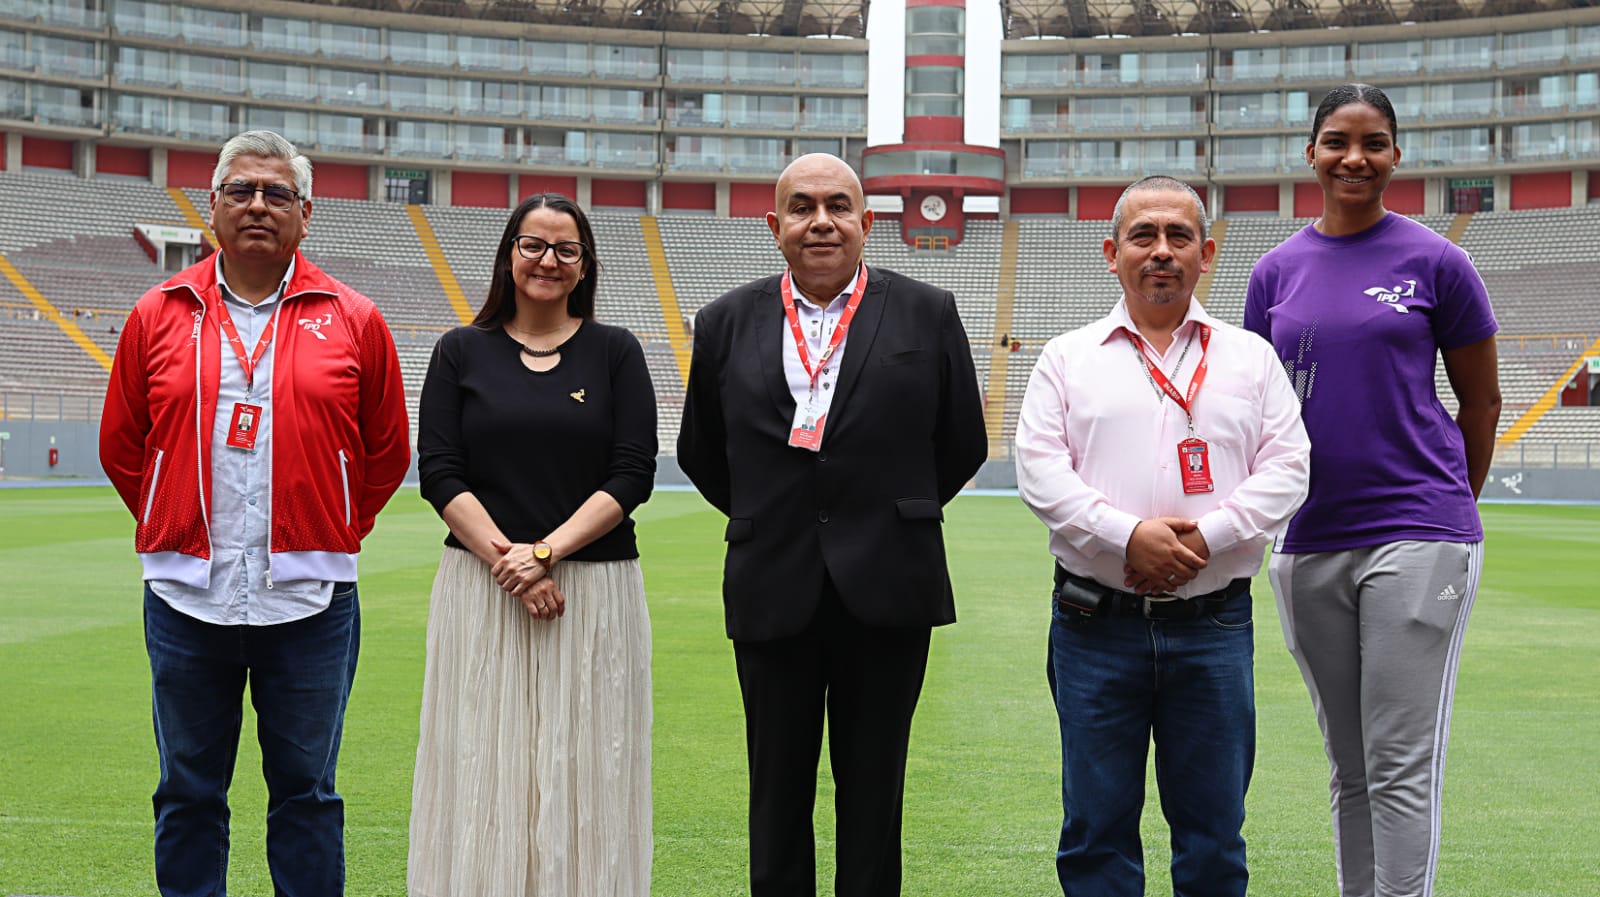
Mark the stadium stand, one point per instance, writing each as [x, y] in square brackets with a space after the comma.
[89, 268]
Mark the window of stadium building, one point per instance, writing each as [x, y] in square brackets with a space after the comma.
[758, 67]
[55, 105]
[1587, 45]
[200, 121]
[487, 53]
[487, 97]
[1322, 62]
[832, 113]
[142, 19]
[546, 58]
[340, 132]
[1250, 110]
[419, 138]
[624, 150]
[1546, 141]
[1187, 67]
[1530, 48]
[623, 106]
[1108, 69]
[1250, 64]
[1586, 137]
[64, 56]
[1038, 71]
[295, 126]
[1534, 96]
[419, 48]
[760, 111]
[481, 143]
[833, 70]
[935, 31]
[272, 81]
[418, 94]
[1046, 158]
[684, 64]
[1460, 54]
[137, 65]
[346, 88]
[207, 74]
[1586, 90]
[694, 110]
[12, 99]
[1394, 58]
[622, 61]
[348, 41]
[559, 102]
[281, 34]
[1408, 102]
[13, 50]
[1104, 114]
[1023, 115]
[143, 115]
[1466, 99]
[1105, 158]
[1173, 113]
[1171, 156]
[1458, 146]
[217, 27]
[687, 152]
[1243, 155]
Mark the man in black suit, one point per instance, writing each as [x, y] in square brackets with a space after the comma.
[831, 413]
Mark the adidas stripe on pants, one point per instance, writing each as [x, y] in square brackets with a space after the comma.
[1377, 633]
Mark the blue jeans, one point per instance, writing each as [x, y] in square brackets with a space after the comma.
[300, 675]
[1117, 681]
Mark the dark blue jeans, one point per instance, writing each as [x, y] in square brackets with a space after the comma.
[1118, 682]
[300, 675]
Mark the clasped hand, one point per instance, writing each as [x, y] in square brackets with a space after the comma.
[527, 580]
[1163, 554]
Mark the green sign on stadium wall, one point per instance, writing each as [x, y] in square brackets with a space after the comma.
[409, 174]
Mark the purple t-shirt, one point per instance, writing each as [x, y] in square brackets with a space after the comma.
[1357, 321]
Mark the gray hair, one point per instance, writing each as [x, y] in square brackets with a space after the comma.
[267, 144]
[1151, 184]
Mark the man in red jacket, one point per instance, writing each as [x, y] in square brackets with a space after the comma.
[255, 424]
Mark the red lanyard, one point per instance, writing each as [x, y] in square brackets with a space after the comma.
[232, 333]
[838, 330]
[1160, 379]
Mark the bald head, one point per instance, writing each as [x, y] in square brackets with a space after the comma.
[820, 219]
[816, 168]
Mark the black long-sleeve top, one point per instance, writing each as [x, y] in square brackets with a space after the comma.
[533, 446]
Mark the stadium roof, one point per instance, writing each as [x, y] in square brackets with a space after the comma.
[796, 18]
[1134, 18]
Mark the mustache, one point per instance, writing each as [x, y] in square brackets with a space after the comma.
[1160, 268]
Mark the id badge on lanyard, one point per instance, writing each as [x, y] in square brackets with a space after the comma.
[1194, 456]
[805, 432]
[247, 418]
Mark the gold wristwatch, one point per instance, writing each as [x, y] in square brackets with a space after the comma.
[543, 553]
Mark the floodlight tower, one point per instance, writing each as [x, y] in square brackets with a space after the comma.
[934, 170]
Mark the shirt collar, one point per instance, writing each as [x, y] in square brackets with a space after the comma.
[1119, 319]
[849, 288]
[229, 295]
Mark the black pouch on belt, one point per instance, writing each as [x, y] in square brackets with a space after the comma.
[1080, 596]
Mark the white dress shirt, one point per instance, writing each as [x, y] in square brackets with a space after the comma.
[241, 492]
[1097, 446]
[818, 325]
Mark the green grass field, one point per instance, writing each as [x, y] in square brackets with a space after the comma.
[77, 760]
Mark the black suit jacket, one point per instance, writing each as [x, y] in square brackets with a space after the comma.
[905, 432]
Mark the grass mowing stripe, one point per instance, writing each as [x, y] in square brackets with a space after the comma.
[77, 761]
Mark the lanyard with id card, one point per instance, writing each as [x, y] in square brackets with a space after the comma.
[246, 421]
[806, 430]
[1194, 459]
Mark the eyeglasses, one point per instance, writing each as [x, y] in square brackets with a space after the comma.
[240, 193]
[567, 252]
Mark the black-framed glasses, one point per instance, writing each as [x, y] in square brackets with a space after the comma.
[568, 252]
[239, 193]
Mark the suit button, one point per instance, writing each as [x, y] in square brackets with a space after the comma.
[822, 456]
[822, 516]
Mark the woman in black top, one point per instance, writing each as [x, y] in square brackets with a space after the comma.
[537, 438]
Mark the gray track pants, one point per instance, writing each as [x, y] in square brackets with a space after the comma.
[1377, 634]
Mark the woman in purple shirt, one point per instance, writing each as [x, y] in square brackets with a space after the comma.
[1375, 576]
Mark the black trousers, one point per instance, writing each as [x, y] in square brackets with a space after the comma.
[867, 680]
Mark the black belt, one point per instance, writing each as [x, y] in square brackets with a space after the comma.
[1088, 598]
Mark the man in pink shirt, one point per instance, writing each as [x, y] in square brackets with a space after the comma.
[1163, 448]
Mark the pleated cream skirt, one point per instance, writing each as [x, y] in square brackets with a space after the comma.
[533, 766]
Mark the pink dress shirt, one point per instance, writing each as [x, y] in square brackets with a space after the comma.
[1097, 447]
